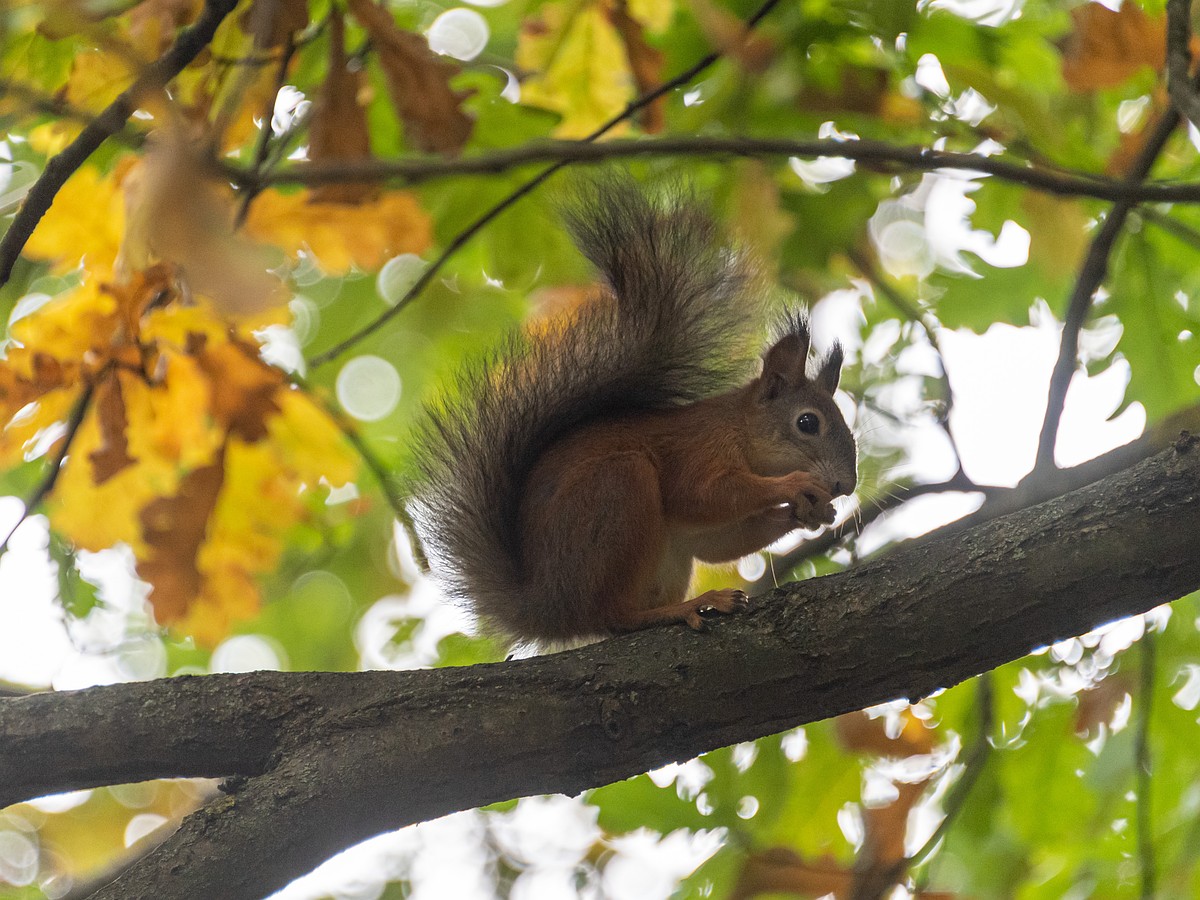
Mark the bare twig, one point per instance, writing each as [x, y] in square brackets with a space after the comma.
[1179, 230]
[879, 156]
[377, 467]
[186, 47]
[527, 188]
[975, 760]
[1179, 60]
[1091, 276]
[929, 325]
[1145, 833]
[891, 499]
[42, 491]
[52, 105]
[266, 132]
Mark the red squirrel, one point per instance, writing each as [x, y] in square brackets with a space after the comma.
[569, 486]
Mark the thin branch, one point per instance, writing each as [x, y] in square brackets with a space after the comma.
[894, 497]
[266, 132]
[36, 101]
[1145, 833]
[975, 761]
[873, 883]
[155, 76]
[929, 325]
[527, 188]
[1179, 60]
[1091, 276]
[12, 689]
[42, 491]
[383, 476]
[878, 156]
[1179, 230]
[1036, 488]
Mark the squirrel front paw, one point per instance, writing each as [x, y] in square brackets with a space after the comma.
[813, 503]
[813, 515]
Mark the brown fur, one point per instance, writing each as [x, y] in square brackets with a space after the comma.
[570, 490]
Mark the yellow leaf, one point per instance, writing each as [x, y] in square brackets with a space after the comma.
[96, 78]
[311, 443]
[96, 517]
[171, 422]
[655, 15]
[51, 138]
[341, 237]
[69, 328]
[579, 65]
[85, 223]
[29, 426]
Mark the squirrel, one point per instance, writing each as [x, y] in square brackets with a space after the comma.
[567, 489]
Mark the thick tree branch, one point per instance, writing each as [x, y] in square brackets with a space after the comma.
[878, 156]
[345, 756]
[156, 75]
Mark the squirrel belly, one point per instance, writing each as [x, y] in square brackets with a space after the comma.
[568, 489]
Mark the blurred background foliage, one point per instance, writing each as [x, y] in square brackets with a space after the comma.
[221, 508]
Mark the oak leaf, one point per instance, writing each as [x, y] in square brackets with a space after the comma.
[84, 224]
[174, 529]
[338, 236]
[177, 212]
[1105, 48]
[578, 65]
[645, 62]
[270, 22]
[339, 129]
[418, 81]
[113, 453]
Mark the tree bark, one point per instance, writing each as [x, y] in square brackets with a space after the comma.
[331, 759]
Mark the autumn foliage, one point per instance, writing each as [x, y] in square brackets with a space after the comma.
[283, 216]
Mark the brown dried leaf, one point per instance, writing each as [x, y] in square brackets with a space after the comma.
[339, 128]
[1098, 704]
[783, 871]
[645, 62]
[245, 386]
[727, 34]
[174, 529]
[859, 89]
[270, 22]
[153, 23]
[113, 453]
[176, 211]
[884, 828]
[17, 390]
[859, 733]
[1105, 48]
[419, 82]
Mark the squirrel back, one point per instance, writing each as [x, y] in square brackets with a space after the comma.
[674, 325]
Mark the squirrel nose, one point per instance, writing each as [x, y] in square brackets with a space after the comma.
[843, 488]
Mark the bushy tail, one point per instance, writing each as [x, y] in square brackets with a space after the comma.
[675, 325]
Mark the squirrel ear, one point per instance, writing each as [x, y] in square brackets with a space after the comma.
[783, 364]
[831, 369]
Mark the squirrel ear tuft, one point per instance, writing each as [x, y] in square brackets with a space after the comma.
[831, 369]
[783, 364]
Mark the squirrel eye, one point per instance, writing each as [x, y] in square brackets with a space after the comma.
[808, 423]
